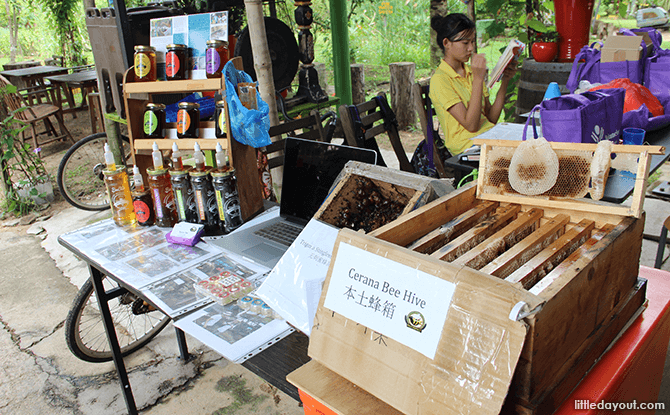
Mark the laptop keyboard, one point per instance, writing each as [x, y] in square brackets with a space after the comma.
[280, 232]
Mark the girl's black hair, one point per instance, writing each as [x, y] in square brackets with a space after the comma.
[450, 26]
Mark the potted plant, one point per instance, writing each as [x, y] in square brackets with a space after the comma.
[25, 179]
[545, 47]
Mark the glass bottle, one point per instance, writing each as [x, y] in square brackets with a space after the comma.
[227, 198]
[183, 195]
[188, 120]
[120, 199]
[154, 121]
[145, 63]
[176, 61]
[161, 191]
[142, 203]
[220, 125]
[205, 201]
[216, 57]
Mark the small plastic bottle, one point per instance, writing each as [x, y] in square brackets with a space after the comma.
[157, 156]
[109, 158]
[177, 163]
[199, 157]
[220, 157]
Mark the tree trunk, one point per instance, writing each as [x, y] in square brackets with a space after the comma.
[263, 67]
[402, 79]
[357, 83]
[13, 31]
[437, 8]
[471, 14]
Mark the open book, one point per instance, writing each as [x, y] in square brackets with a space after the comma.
[513, 51]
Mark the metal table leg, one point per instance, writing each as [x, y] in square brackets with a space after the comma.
[97, 277]
[183, 347]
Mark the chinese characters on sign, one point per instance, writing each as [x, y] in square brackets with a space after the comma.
[394, 300]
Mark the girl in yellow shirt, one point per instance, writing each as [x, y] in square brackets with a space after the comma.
[457, 88]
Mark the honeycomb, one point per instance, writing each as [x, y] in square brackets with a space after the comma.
[572, 181]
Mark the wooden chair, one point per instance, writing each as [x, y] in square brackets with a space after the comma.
[15, 102]
[371, 121]
[309, 128]
[423, 108]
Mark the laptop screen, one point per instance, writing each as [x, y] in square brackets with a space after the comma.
[310, 169]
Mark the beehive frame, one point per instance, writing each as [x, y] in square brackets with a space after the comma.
[639, 164]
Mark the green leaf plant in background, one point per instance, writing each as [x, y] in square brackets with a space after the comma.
[22, 168]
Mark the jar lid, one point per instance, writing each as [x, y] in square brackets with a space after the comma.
[156, 172]
[154, 106]
[197, 173]
[179, 173]
[223, 172]
[120, 168]
[189, 105]
[220, 103]
[216, 42]
[144, 48]
[176, 46]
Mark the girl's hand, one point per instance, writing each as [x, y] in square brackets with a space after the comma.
[478, 65]
[510, 71]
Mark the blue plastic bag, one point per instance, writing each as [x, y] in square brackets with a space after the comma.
[249, 127]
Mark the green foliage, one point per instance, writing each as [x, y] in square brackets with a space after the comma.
[64, 14]
[21, 166]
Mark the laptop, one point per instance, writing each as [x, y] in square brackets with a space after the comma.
[310, 169]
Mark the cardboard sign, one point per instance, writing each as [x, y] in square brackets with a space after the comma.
[405, 304]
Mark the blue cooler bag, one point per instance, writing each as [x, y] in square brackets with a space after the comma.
[581, 118]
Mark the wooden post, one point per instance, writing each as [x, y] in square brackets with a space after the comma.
[357, 83]
[263, 68]
[402, 79]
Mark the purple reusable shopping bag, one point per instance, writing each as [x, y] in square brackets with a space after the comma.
[581, 118]
[657, 73]
[588, 71]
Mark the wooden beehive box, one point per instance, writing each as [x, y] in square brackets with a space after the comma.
[367, 196]
[576, 260]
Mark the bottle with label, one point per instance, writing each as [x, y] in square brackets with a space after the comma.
[227, 199]
[220, 127]
[176, 61]
[205, 201]
[183, 195]
[118, 190]
[142, 203]
[154, 121]
[216, 57]
[163, 198]
[188, 120]
[145, 63]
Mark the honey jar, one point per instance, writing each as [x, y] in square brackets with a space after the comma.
[154, 121]
[176, 61]
[188, 120]
[216, 57]
[145, 63]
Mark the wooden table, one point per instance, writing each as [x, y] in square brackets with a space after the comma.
[33, 76]
[87, 81]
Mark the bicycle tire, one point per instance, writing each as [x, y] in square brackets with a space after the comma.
[85, 331]
[80, 178]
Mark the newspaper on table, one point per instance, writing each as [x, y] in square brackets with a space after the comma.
[166, 273]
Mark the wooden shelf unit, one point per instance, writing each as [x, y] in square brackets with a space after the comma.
[242, 157]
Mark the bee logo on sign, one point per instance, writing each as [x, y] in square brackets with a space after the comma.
[415, 321]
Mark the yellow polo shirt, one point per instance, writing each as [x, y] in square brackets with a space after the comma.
[447, 88]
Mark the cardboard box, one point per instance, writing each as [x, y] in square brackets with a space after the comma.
[622, 48]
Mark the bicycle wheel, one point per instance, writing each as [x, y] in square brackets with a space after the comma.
[80, 178]
[134, 322]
